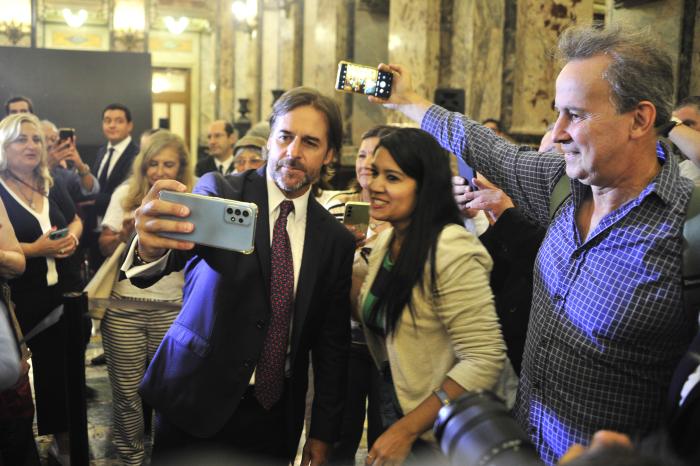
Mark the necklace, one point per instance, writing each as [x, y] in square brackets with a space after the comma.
[30, 199]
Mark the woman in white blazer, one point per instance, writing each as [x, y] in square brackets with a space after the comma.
[426, 305]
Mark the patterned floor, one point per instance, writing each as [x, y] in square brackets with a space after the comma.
[102, 451]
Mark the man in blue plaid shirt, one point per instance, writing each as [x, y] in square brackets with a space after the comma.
[607, 325]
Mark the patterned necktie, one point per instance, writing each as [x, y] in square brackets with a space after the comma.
[105, 170]
[221, 169]
[269, 373]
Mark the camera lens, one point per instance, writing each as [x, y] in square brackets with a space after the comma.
[238, 211]
[229, 210]
[246, 213]
[477, 429]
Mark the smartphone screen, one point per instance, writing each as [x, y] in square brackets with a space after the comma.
[363, 80]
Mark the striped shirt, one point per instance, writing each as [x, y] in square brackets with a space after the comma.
[607, 325]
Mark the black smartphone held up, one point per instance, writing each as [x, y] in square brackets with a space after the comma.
[363, 80]
[58, 234]
[66, 133]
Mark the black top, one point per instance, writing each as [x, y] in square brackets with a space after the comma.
[27, 230]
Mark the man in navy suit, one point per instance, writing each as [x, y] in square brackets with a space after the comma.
[208, 380]
[220, 140]
[111, 167]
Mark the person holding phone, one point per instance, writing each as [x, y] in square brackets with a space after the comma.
[65, 162]
[37, 205]
[130, 335]
[232, 370]
[426, 305]
[363, 378]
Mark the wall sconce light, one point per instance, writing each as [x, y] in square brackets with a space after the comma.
[15, 19]
[176, 26]
[245, 15]
[129, 23]
[74, 20]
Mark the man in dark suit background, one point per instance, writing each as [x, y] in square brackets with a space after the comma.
[220, 140]
[220, 378]
[112, 166]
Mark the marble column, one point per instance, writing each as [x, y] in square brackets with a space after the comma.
[325, 43]
[474, 60]
[414, 41]
[246, 75]
[207, 84]
[539, 24]
[662, 21]
[225, 53]
[371, 38]
[278, 66]
[694, 88]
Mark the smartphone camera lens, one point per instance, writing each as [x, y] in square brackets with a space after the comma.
[229, 210]
[246, 213]
[238, 211]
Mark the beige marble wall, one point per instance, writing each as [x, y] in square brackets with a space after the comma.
[475, 63]
[695, 58]
[371, 38]
[225, 53]
[206, 113]
[325, 36]
[246, 76]
[662, 21]
[539, 23]
[414, 41]
[278, 55]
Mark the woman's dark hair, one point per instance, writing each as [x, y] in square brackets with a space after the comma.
[420, 157]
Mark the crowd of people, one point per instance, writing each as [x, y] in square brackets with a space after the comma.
[555, 278]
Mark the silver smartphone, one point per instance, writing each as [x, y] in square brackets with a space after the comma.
[363, 79]
[357, 214]
[219, 223]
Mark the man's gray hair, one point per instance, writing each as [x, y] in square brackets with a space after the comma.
[50, 124]
[639, 69]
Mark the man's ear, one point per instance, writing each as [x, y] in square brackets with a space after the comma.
[644, 116]
[328, 158]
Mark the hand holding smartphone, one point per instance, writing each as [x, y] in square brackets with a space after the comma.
[58, 234]
[363, 80]
[219, 223]
[466, 172]
[357, 215]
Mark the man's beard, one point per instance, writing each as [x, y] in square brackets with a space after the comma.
[307, 180]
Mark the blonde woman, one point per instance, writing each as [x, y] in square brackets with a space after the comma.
[131, 333]
[36, 207]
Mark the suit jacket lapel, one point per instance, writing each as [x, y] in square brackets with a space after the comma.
[256, 192]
